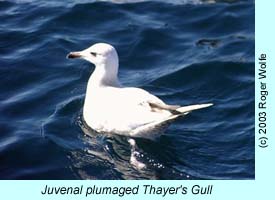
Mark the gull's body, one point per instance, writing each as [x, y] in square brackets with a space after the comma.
[111, 108]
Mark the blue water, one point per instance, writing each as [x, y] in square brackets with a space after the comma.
[185, 52]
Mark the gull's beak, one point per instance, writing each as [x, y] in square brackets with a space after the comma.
[76, 54]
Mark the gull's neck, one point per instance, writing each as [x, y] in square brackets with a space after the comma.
[104, 76]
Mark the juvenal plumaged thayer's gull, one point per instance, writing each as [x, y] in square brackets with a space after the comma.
[109, 107]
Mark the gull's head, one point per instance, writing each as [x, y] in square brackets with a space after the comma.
[100, 54]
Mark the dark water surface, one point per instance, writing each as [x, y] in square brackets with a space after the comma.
[185, 52]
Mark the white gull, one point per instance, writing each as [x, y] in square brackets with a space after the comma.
[109, 107]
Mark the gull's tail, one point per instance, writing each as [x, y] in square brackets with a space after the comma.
[187, 109]
[146, 130]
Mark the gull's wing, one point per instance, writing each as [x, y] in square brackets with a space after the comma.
[158, 107]
[155, 104]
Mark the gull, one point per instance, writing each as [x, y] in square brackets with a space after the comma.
[111, 108]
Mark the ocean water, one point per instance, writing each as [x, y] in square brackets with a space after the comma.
[183, 51]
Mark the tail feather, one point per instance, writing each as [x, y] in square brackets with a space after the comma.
[187, 109]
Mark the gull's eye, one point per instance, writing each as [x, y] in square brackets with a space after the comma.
[94, 54]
